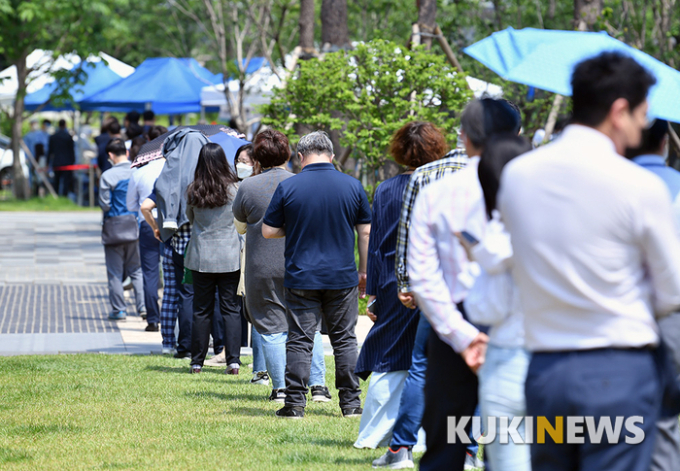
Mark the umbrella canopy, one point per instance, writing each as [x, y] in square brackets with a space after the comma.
[99, 77]
[165, 85]
[42, 64]
[153, 150]
[546, 59]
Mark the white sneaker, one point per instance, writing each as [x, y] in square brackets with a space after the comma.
[261, 377]
[168, 351]
[472, 462]
[217, 360]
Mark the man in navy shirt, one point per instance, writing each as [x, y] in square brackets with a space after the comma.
[317, 212]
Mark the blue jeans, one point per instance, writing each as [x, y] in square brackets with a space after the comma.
[501, 394]
[274, 349]
[412, 403]
[150, 254]
[259, 364]
[410, 413]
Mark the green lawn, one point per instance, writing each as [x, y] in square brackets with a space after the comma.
[147, 412]
[48, 203]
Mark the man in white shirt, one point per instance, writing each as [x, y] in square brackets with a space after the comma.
[441, 275]
[597, 260]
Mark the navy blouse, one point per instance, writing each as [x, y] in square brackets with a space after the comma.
[389, 344]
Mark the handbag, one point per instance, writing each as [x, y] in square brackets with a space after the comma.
[120, 229]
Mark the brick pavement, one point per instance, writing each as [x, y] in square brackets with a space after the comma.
[53, 294]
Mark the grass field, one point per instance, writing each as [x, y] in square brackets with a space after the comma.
[103, 412]
[48, 203]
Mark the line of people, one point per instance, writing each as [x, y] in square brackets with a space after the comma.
[550, 283]
[542, 286]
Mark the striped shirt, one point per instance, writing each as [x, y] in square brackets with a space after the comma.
[422, 176]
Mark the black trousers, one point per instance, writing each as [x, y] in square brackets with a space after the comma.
[63, 182]
[205, 285]
[450, 391]
[340, 310]
[185, 309]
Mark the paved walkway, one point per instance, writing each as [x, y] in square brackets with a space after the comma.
[53, 294]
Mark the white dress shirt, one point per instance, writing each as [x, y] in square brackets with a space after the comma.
[494, 298]
[141, 185]
[596, 255]
[439, 270]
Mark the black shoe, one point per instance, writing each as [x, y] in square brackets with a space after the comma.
[278, 395]
[153, 327]
[182, 355]
[291, 412]
[320, 394]
[352, 412]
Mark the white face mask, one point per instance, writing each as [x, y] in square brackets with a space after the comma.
[244, 170]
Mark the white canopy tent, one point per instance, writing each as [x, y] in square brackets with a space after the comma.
[258, 88]
[43, 64]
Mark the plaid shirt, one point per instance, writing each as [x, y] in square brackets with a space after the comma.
[180, 239]
[422, 176]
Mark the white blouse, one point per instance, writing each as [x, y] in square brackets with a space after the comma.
[494, 298]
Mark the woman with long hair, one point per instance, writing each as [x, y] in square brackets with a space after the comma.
[213, 255]
[494, 301]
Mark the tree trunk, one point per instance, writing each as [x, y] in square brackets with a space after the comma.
[307, 26]
[427, 20]
[20, 185]
[586, 13]
[334, 31]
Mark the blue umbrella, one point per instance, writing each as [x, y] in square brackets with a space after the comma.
[230, 144]
[545, 59]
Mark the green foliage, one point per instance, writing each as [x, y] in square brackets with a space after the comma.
[369, 93]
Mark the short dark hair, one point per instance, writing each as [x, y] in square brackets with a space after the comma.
[498, 151]
[417, 143]
[598, 82]
[46, 122]
[148, 115]
[248, 148]
[485, 117]
[136, 146]
[62, 123]
[652, 139]
[107, 122]
[132, 117]
[116, 147]
[134, 130]
[271, 148]
[157, 131]
[113, 127]
[213, 178]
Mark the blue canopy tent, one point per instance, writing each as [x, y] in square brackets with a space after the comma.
[98, 76]
[545, 59]
[163, 85]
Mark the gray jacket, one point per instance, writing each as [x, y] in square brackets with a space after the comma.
[181, 151]
[214, 246]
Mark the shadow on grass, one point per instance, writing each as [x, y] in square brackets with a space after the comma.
[37, 430]
[8, 455]
[170, 369]
[227, 397]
